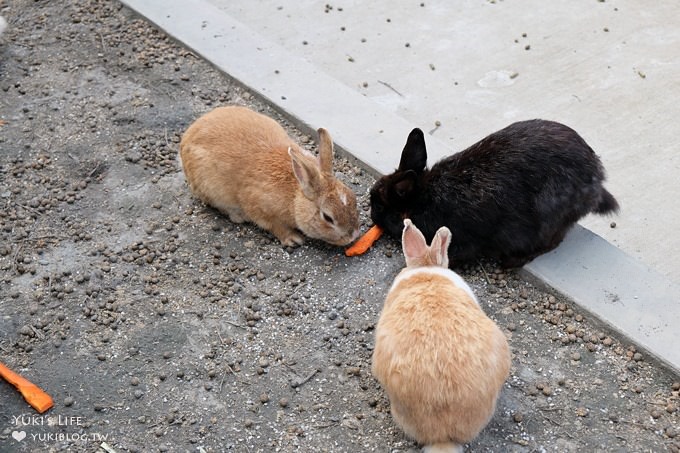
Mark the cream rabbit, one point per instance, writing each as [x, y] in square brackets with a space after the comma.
[245, 164]
[440, 359]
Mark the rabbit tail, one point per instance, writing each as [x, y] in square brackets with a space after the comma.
[607, 204]
[448, 447]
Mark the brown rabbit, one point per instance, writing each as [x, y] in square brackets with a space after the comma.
[245, 164]
[440, 359]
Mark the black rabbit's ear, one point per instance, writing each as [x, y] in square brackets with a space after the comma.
[406, 183]
[414, 155]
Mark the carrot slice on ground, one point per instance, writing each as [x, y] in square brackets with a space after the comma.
[35, 396]
[365, 242]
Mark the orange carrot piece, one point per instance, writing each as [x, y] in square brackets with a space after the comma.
[35, 396]
[365, 242]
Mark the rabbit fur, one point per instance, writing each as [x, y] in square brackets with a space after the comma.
[245, 164]
[440, 359]
[512, 196]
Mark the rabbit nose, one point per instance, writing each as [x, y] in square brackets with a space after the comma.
[355, 235]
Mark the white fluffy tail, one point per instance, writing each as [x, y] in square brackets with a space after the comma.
[448, 447]
[3, 24]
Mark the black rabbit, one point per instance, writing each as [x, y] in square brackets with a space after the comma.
[512, 196]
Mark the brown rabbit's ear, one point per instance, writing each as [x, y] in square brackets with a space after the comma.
[439, 249]
[325, 151]
[414, 155]
[307, 174]
[413, 242]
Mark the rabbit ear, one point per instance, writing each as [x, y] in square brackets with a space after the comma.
[414, 155]
[307, 174]
[439, 249]
[413, 242]
[325, 151]
[406, 184]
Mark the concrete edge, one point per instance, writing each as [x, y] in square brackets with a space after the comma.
[622, 293]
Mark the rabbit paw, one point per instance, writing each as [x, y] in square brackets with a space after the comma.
[236, 215]
[289, 238]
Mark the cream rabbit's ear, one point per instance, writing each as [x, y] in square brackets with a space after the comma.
[413, 243]
[325, 151]
[307, 173]
[439, 249]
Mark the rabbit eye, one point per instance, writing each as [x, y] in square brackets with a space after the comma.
[327, 218]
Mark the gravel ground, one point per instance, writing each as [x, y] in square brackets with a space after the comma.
[157, 325]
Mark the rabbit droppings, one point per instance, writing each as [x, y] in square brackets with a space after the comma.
[440, 359]
[511, 196]
[245, 164]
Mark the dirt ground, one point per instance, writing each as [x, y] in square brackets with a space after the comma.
[157, 325]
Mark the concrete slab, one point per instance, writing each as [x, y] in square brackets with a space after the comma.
[371, 123]
[607, 69]
[617, 289]
[311, 97]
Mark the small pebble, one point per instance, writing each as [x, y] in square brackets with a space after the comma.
[517, 417]
[283, 402]
[354, 371]
[68, 401]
